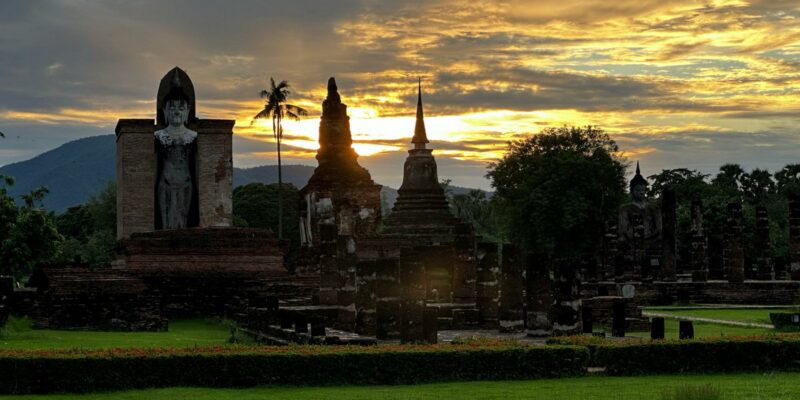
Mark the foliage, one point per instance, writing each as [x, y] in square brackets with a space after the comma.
[478, 209]
[27, 233]
[90, 229]
[115, 369]
[693, 392]
[277, 109]
[255, 205]
[555, 190]
[773, 352]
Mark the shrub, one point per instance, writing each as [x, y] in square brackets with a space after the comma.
[689, 392]
[117, 369]
[700, 356]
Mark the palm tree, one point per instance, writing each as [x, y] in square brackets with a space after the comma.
[277, 109]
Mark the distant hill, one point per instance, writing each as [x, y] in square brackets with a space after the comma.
[79, 169]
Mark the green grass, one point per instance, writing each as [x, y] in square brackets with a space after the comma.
[703, 329]
[759, 316]
[778, 386]
[182, 333]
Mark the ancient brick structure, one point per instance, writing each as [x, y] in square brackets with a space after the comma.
[763, 264]
[201, 271]
[733, 252]
[566, 311]
[698, 258]
[137, 166]
[794, 238]
[512, 296]
[74, 296]
[488, 284]
[539, 296]
[340, 195]
[669, 235]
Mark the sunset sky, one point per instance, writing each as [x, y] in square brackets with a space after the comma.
[677, 83]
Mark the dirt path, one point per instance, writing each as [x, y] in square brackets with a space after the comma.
[710, 320]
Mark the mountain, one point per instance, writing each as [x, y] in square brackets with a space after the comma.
[79, 169]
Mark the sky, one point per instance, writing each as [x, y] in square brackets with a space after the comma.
[678, 84]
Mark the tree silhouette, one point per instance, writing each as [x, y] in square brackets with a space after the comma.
[277, 109]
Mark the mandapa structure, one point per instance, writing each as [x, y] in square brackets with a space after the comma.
[177, 254]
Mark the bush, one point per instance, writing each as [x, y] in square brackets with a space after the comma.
[700, 356]
[688, 392]
[83, 371]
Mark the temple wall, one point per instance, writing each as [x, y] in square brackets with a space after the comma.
[136, 176]
[215, 171]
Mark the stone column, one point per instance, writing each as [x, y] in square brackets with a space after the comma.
[511, 305]
[794, 238]
[136, 176]
[566, 312]
[609, 254]
[488, 273]
[763, 253]
[539, 295]
[412, 301]
[387, 299]
[698, 257]
[733, 253]
[668, 234]
[639, 249]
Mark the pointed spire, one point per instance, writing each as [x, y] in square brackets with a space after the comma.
[638, 179]
[420, 136]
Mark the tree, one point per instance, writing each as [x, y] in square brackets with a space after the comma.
[89, 229]
[730, 178]
[254, 205]
[28, 235]
[477, 208]
[555, 190]
[787, 180]
[757, 185]
[277, 109]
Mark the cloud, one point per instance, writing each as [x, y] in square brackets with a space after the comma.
[678, 82]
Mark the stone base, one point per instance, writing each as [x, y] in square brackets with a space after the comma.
[200, 271]
[72, 297]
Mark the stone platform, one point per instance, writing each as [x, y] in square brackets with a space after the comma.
[75, 297]
[201, 271]
[710, 292]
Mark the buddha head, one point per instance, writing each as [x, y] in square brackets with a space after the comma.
[638, 186]
[176, 108]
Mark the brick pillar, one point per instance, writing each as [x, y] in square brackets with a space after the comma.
[794, 238]
[608, 272]
[387, 292]
[668, 235]
[698, 255]
[539, 295]
[412, 301]
[366, 270]
[566, 312]
[763, 253]
[639, 250]
[733, 253]
[511, 305]
[136, 176]
[215, 172]
[488, 273]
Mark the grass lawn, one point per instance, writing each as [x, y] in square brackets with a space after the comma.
[182, 333]
[777, 386]
[703, 329]
[752, 315]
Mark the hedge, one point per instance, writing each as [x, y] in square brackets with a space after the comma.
[698, 356]
[84, 371]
